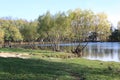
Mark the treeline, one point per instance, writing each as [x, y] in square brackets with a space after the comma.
[115, 35]
[17, 30]
[73, 25]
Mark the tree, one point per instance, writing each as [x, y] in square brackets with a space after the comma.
[54, 28]
[11, 32]
[44, 25]
[1, 36]
[29, 31]
[118, 25]
[101, 26]
[115, 36]
[61, 29]
[81, 25]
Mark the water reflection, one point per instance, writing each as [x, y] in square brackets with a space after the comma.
[104, 51]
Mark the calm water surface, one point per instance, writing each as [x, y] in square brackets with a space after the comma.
[105, 51]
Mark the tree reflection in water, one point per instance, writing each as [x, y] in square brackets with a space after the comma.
[105, 51]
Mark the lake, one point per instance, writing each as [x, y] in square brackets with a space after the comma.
[104, 51]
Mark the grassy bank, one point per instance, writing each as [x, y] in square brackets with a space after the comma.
[38, 53]
[40, 68]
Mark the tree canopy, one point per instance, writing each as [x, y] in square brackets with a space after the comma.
[73, 25]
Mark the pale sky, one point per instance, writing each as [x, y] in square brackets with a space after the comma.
[31, 9]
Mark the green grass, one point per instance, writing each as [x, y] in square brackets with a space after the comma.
[20, 50]
[38, 53]
[37, 68]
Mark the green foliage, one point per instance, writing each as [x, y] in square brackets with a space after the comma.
[11, 32]
[76, 25]
[118, 25]
[29, 31]
[1, 36]
[85, 22]
[104, 26]
[45, 25]
[115, 36]
[73, 25]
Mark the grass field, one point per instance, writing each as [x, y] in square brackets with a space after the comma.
[55, 67]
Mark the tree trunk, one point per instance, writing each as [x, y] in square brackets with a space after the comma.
[78, 50]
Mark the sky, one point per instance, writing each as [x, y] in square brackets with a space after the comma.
[31, 9]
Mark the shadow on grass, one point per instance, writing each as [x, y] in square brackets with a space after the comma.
[31, 69]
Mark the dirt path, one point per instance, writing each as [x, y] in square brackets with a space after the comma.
[5, 55]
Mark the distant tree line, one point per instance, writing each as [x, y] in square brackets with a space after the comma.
[115, 34]
[71, 26]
